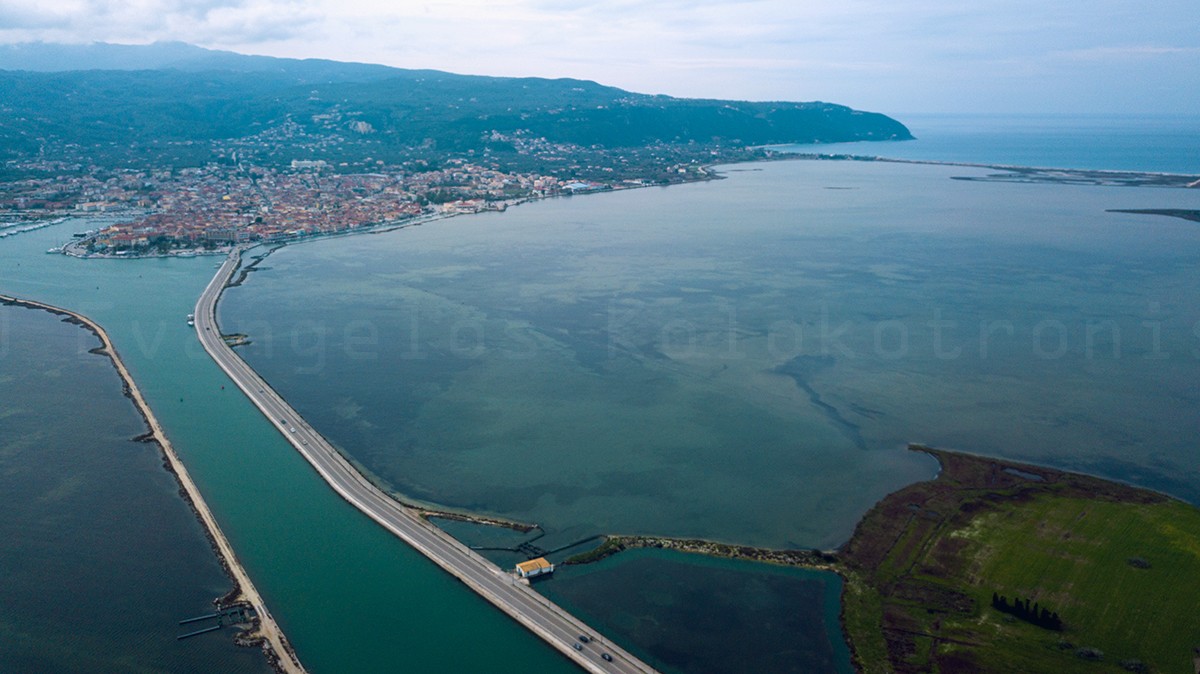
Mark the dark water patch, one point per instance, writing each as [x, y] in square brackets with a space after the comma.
[801, 369]
[101, 557]
[484, 536]
[866, 411]
[698, 615]
[1183, 213]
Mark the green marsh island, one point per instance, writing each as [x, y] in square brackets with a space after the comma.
[996, 566]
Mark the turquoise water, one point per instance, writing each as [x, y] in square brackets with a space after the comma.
[100, 556]
[350, 596]
[1167, 144]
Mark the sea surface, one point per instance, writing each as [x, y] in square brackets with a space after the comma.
[1159, 144]
[100, 556]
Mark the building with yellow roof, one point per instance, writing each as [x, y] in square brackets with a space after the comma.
[534, 567]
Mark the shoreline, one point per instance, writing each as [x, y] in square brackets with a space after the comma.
[854, 559]
[908, 578]
[1015, 173]
[802, 558]
[813, 559]
[705, 174]
[265, 632]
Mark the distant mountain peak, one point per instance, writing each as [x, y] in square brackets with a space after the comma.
[56, 57]
[175, 55]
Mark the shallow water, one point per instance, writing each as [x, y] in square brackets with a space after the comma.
[744, 360]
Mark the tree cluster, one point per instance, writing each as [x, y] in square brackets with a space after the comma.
[1030, 613]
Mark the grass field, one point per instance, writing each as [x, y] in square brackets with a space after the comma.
[1121, 566]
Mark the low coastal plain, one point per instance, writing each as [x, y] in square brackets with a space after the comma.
[937, 574]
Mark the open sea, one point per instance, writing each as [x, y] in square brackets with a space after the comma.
[741, 360]
[1156, 144]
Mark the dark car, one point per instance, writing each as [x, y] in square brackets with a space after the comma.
[584, 638]
[606, 656]
[577, 646]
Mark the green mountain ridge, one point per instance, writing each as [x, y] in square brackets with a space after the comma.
[188, 95]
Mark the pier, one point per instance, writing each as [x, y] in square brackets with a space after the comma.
[553, 624]
[233, 615]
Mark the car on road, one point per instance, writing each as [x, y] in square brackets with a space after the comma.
[578, 646]
[584, 638]
[606, 656]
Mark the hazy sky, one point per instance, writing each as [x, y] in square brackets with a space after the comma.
[887, 55]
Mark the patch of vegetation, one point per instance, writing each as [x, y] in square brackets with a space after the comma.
[608, 548]
[924, 565]
[614, 544]
[1035, 614]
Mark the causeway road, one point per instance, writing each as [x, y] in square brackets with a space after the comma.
[553, 624]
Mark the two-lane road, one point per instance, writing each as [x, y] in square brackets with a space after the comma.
[550, 622]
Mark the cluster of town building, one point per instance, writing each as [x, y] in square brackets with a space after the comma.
[209, 207]
[249, 193]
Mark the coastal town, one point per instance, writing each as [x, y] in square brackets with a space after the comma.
[186, 211]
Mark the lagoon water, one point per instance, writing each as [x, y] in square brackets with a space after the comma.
[744, 360]
[700, 615]
[741, 360]
[349, 595]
